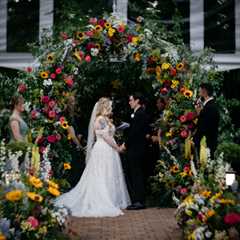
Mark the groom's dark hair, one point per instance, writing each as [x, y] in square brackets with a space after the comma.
[138, 96]
[208, 87]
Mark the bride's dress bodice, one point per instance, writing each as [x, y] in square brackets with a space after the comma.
[103, 129]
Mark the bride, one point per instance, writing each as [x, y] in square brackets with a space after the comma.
[101, 191]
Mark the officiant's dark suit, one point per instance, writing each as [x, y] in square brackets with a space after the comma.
[208, 123]
[136, 151]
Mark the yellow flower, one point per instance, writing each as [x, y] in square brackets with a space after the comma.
[13, 196]
[50, 58]
[206, 194]
[52, 184]
[135, 40]
[42, 230]
[67, 166]
[137, 57]
[210, 213]
[98, 28]
[36, 182]
[188, 93]
[168, 134]
[227, 201]
[175, 83]
[174, 168]
[111, 32]
[188, 200]
[183, 174]
[2, 237]
[158, 70]
[44, 75]
[76, 54]
[98, 46]
[54, 191]
[107, 25]
[35, 197]
[79, 35]
[64, 125]
[165, 66]
[180, 66]
[188, 212]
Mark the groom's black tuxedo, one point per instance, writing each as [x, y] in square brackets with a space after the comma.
[136, 149]
[207, 126]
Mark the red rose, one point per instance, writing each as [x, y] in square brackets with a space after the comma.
[89, 33]
[186, 169]
[22, 88]
[64, 35]
[173, 72]
[42, 149]
[183, 191]
[52, 103]
[53, 76]
[184, 133]
[93, 20]
[51, 138]
[58, 70]
[88, 58]
[40, 140]
[190, 116]
[232, 218]
[34, 114]
[58, 137]
[200, 216]
[90, 46]
[34, 223]
[45, 99]
[129, 38]
[62, 119]
[51, 114]
[163, 91]
[121, 28]
[167, 83]
[29, 69]
[101, 22]
[69, 82]
[183, 119]
[190, 126]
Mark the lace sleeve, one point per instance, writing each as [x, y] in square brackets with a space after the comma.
[100, 129]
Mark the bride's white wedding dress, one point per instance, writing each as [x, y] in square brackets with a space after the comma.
[101, 191]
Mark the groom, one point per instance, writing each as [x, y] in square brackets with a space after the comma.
[135, 151]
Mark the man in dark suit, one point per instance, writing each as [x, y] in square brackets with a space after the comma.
[208, 120]
[136, 151]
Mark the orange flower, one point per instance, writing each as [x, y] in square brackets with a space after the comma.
[174, 169]
[206, 194]
[180, 66]
[188, 93]
[67, 166]
[35, 197]
[13, 196]
[53, 184]
[36, 182]
[54, 191]
[137, 57]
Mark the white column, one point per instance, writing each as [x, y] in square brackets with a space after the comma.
[197, 24]
[46, 15]
[237, 25]
[3, 25]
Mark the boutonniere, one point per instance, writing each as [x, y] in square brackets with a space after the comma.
[132, 115]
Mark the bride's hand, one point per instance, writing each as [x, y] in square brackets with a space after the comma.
[120, 149]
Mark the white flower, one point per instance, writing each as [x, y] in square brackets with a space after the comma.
[27, 106]
[94, 51]
[47, 82]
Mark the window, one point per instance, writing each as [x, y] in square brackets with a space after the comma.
[22, 24]
[219, 25]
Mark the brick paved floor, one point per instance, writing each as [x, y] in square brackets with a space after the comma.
[148, 224]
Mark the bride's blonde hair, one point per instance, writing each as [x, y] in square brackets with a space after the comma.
[104, 106]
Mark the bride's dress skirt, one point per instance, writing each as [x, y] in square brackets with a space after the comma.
[101, 191]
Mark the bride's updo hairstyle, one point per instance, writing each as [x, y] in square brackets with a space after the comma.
[104, 107]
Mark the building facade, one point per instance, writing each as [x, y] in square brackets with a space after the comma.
[214, 24]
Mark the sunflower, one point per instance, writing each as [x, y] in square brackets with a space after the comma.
[137, 56]
[107, 25]
[14, 195]
[36, 182]
[174, 169]
[79, 35]
[180, 66]
[188, 93]
[67, 166]
[35, 197]
[50, 58]
[98, 46]
[135, 40]
[44, 75]
[54, 191]
[53, 184]
[111, 32]
[166, 66]
[98, 28]
[64, 125]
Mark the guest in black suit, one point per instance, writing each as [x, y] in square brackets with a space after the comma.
[208, 120]
[136, 151]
